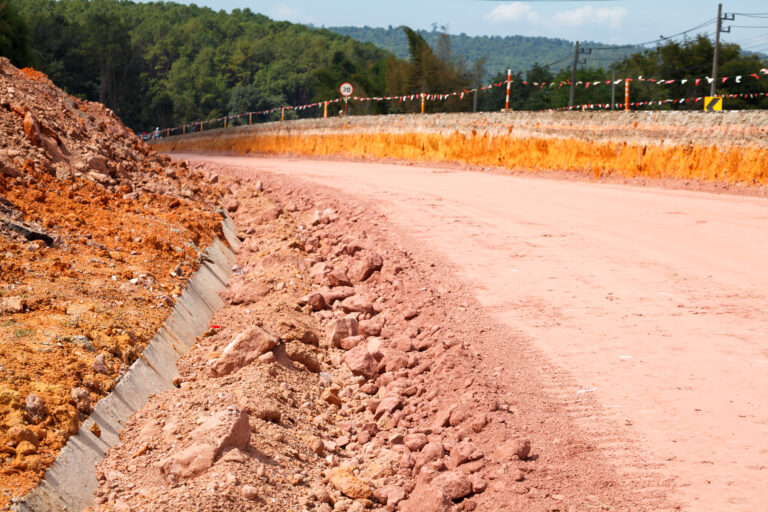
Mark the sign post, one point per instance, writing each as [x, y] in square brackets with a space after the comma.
[346, 90]
[626, 95]
[509, 82]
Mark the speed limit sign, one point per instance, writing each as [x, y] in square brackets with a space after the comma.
[346, 89]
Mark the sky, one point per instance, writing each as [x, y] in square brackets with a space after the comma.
[608, 21]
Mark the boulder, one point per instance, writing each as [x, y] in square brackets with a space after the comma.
[226, 429]
[242, 351]
[361, 362]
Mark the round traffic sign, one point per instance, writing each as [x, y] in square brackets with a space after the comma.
[346, 89]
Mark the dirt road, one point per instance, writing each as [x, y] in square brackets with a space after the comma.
[654, 302]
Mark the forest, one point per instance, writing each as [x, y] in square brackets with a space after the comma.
[166, 64]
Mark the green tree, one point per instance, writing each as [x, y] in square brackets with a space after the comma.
[14, 35]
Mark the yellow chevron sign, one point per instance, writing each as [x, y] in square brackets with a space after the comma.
[713, 103]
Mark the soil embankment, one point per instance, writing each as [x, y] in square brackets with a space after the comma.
[98, 236]
[726, 149]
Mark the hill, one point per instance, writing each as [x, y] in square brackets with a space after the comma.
[519, 53]
[166, 63]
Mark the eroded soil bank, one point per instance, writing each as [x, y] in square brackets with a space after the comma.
[350, 370]
[98, 236]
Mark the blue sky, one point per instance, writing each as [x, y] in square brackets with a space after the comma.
[611, 21]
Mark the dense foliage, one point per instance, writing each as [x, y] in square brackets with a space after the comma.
[14, 34]
[166, 63]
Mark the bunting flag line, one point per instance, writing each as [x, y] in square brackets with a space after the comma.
[198, 125]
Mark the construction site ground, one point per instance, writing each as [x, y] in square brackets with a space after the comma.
[640, 311]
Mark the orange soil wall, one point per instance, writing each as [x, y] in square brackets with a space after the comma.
[746, 165]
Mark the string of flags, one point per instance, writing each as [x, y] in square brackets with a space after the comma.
[465, 92]
[594, 106]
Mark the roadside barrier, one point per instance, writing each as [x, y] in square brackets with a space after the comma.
[199, 126]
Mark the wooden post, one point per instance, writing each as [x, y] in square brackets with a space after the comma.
[509, 83]
[225, 121]
[201, 125]
[422, 102]
[249, 118]
[282, 114]
[325, 110]
[626, 95]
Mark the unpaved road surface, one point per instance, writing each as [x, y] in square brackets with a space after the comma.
[653, 302]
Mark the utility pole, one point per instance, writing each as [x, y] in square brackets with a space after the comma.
[715, 61]
[573, 73]
[713, 88]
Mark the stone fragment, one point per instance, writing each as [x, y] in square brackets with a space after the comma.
[232, 205]
[351, 342]
[390, 495]
[331, 396]
[339, 329]
[301, 354]
[361, 362]
[479, 422]
[478, 483]
[82, 399]
[430, 452]
[100, 364]
[426, 498]
[388, 405]
[32, 128]
[226, 429]
[337, 277]
[35, 407]
[454, 485]
[463, 452]
[243, 350]
[321, 493]
[23, 433]
[348, 484]
[415, 442]
[514, 449]
[371, 327]
[460, 413]
[331, 295]
[317, 446]
[98, 164]
[8, 168]
[402, 342]
[249, 492]
[394, 360]
[26, 448]
[11, 305]
[314, 300]
[356, 304]
[362, 268]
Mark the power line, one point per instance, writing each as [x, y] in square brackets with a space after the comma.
[663, 38]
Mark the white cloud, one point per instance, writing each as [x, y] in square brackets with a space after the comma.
[288, 13]
[514, 11]
[589, 15]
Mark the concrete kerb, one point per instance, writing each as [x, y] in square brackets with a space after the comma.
[69, 484]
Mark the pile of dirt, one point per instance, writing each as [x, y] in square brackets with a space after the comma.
[98, 235]
[348, 371]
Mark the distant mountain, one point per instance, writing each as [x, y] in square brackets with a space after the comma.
[516, 52]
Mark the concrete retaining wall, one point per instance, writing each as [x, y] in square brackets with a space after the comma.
[70, 483]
